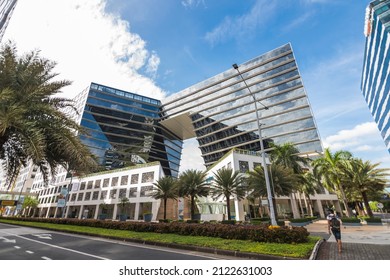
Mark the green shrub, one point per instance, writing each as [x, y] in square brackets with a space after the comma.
[259, 233]
[350, 220]
[373, 220]
[228, 222]
[300, 220]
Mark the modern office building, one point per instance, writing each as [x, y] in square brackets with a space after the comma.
[123, 129]
[375, 83]
[220, 111]
[6, 9]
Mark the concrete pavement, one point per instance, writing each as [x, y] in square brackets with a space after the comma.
[364, 242]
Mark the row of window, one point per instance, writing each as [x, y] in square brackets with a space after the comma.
[101, 195]
[146, 177]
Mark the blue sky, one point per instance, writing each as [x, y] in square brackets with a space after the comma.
[157, 48]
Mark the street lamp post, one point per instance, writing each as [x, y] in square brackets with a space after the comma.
[263, 154]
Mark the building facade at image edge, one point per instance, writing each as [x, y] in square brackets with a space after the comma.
[125, 128]
[375, 83]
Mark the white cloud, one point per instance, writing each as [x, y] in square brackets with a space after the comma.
[242, 25]
[89, 44]
[192, 3]
[359, 139]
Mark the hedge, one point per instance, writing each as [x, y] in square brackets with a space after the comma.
[258, 233]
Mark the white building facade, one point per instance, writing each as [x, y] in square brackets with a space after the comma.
[99, 195]
[292, 206]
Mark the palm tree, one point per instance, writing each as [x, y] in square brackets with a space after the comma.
[33, 122]
[329, 169]
[165, 188]
[309, 186]
[288, 155]
[227, 183]
[193, 183]
[365, 177]
[283, 180]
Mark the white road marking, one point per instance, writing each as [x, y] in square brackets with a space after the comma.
[43, 235]
[6, 240]
[63, 248]
[46, 258]
[16, 247]
[30, 252]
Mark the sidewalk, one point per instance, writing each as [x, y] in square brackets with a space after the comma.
[363, 242]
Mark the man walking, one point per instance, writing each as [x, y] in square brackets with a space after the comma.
[334, 226]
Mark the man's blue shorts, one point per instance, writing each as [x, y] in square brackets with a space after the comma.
[337, 234]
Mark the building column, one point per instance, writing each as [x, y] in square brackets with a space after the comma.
[294, 207]
[115, 211]
[55, 212]
[320, 209]
[136, 211]
[81, 212]
[48, 212]
[239, 207]
[96, 211]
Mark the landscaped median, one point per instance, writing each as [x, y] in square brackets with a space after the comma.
[256, 241]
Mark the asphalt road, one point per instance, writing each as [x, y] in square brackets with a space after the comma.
[23, 243]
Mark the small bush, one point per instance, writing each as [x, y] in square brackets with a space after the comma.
[350, 220]
[373, 220]
[301, 220]
[259, 233]
[228, 222]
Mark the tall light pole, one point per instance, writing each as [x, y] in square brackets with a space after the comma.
[263, 154]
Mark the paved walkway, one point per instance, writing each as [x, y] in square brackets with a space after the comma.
[363, 242]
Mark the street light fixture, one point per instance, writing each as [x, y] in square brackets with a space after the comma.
[263, 154]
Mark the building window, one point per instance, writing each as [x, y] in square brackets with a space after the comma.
[106, 182]
[147, 177]
[133, 192]
[244, 166]
[122, 193]
[80, 197]
[113, 194]
[97, 184]
[146, 191]
[95, 195]
[124, 180]
[134, 179]
[89, 185]
[103, 195]
[114, 182]
[82, 186]
[73, 197]
[256, 165]
[87, 196]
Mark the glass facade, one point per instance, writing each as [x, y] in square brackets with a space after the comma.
[376, 75]
[122, 129]
[223, 112]
[6, 9]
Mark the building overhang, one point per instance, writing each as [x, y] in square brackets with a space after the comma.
[180, 125]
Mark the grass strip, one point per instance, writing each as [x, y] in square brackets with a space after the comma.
[299, 251]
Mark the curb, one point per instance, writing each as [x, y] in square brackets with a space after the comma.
[314, 253]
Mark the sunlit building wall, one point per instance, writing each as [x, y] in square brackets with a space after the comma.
[376, 72]
[222, 111]
[6, 9]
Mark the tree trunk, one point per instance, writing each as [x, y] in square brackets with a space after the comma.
[165, 208]
[310, 205]
[368, 208]
[345, 202]
[228, 207]
[192, 207]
